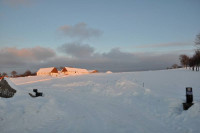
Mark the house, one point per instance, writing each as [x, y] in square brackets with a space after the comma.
[52, 71]
[71, 71]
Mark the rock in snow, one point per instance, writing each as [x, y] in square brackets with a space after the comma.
[6, 91]
[104, 103]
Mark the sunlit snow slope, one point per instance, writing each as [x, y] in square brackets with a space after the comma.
[135, 102]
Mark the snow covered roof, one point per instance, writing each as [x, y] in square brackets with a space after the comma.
[50, 69]
[70, 69]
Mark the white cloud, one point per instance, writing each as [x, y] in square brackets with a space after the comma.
[79, 31]
[14, 56]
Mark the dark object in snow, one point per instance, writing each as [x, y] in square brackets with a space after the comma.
[6, 91]
[189, 95]
[189, 98]
[186, 106]
[37, 94]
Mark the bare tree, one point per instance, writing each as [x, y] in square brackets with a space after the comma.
[27, 73]
[191, 63]
[196, 58]
[174, 66]
[14, 73]
[4, 74]
[33, 73]
[184, 60]
[197, 42]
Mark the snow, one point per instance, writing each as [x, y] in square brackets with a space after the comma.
[34, 79]
[133, 102]
[79, 70]
[46, 70]
[108, 72]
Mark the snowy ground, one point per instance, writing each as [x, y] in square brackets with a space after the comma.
[135, 102]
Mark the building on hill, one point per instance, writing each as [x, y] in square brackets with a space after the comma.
[71, 71]
[52, 71]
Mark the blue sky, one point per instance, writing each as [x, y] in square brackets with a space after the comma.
[132, 26]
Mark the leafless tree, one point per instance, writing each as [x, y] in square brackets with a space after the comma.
[14, 73]
[191, 63]
[27, 73]
[197, 42]
[184, 60]
[196, 58]
[4, 74]
[174, 66]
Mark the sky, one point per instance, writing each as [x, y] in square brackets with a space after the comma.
[115, 35]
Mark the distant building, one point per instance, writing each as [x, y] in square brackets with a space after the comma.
[51, 71]
[72, 71]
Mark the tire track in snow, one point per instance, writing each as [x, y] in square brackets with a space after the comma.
[42, 80]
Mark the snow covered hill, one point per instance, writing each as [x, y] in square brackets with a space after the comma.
[134, 102]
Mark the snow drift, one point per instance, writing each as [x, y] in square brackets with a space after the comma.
[135, 102]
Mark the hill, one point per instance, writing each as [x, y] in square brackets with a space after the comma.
[136, 102]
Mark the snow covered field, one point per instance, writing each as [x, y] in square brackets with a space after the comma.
[134, 102]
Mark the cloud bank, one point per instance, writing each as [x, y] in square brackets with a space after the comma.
[116, 60]
[164, 45]
[12, 56]
[79, 31]
[83, 55]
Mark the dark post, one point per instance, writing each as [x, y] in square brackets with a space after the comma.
[189, 98]
[189, 95]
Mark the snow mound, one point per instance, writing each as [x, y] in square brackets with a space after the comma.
[108, 72]
[11, 83]
[135, 102]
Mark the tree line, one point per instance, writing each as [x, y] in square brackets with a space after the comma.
[192, 62]
[15, 74]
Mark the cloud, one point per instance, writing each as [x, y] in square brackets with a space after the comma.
[16, 3]
[79, 31]
[84, 56]
[164, 45]
[12, 56]
[118, 61]
[77, 50]
[117, 55]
